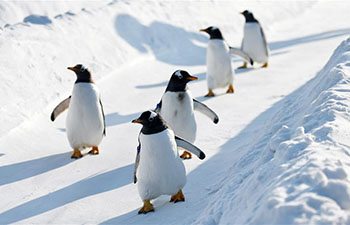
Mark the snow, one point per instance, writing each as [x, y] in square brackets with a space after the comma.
[279, 155]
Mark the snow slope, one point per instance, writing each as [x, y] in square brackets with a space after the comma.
[278, 155]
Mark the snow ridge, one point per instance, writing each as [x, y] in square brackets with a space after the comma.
[296, 170]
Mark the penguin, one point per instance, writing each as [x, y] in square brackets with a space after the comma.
[158, 167]
[254, 41]
[85, 123]
[219, 68]
[177, 108]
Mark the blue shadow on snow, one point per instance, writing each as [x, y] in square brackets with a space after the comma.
[36, 19]
[23, 170]
[167, 42]
[87, 187]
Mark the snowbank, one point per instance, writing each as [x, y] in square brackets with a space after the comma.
[297, 170]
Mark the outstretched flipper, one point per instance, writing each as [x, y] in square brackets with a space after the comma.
[60, 108]
[239, 52]
[198, 106]
[189, 147]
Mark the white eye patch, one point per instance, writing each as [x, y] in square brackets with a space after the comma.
[178, 73]
[214, 28]
[153, 115]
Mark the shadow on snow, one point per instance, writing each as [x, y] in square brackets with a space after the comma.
[90, 186]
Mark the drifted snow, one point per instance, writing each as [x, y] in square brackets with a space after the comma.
[280, 153]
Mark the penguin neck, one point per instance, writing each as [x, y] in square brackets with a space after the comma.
[84, 79]
[176, 88]
[250, 19]
[216, 35]
[153, 130]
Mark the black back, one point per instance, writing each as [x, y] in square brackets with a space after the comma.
[178, 81]
[83, 74]
[249, 17]
[152, 123]
[214, 33]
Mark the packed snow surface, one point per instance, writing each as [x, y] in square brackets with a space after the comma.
[279, 155]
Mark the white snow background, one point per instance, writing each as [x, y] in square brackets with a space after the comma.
[279, 155]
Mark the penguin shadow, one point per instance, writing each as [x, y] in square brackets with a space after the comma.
[203, 98]
[84, 188]
[309, 38]
[2, 154]
[201, 77]
[37, 19]
[168, 43]
[245, 70]
[23, 170]
[114, 119]
[162, 208]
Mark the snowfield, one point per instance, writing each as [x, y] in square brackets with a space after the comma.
[279, 155]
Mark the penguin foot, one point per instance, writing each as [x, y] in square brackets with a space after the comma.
[94, 150]
[76, 154]
[210, 93]
[265, 65]
[186, 155]
[230, 89]
[146, 208]
[178, 197]
[245, 65]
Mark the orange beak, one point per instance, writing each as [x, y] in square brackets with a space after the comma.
[192, 78]
[137, 121]
[72, 68]
[203, 30]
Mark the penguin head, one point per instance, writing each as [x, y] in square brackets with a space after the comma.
[213, 32]
[83, 74]
[248, 15]
[179, 80]
[151, 122]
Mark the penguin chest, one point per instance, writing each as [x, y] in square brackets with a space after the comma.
[253, 43]
[160, 171]
[219, 67]
[177, 111]
[84, 119]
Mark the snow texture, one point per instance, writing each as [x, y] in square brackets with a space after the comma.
[279, 155]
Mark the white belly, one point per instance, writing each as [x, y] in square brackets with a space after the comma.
[253, 43]
[161, 170]
[219, 67]
[84, 119]
[177, 111]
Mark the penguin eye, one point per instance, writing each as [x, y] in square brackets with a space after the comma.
[180, 76]
[150, 119]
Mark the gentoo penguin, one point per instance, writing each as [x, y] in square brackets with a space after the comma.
[85, 123]
[219, 67]
[158, 167]
[177, 108]
[254, 41]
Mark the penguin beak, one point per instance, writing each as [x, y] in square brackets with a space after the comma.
[72, 68]
[192, 78]
[203, 30]
[241, 13]
[137, 121]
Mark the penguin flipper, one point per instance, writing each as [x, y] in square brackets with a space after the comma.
[137, 160]
[189, 147]
[264, 41]
[158, 107]
[241, 53]
[198, 106]
[60, 108]
[104, 119]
